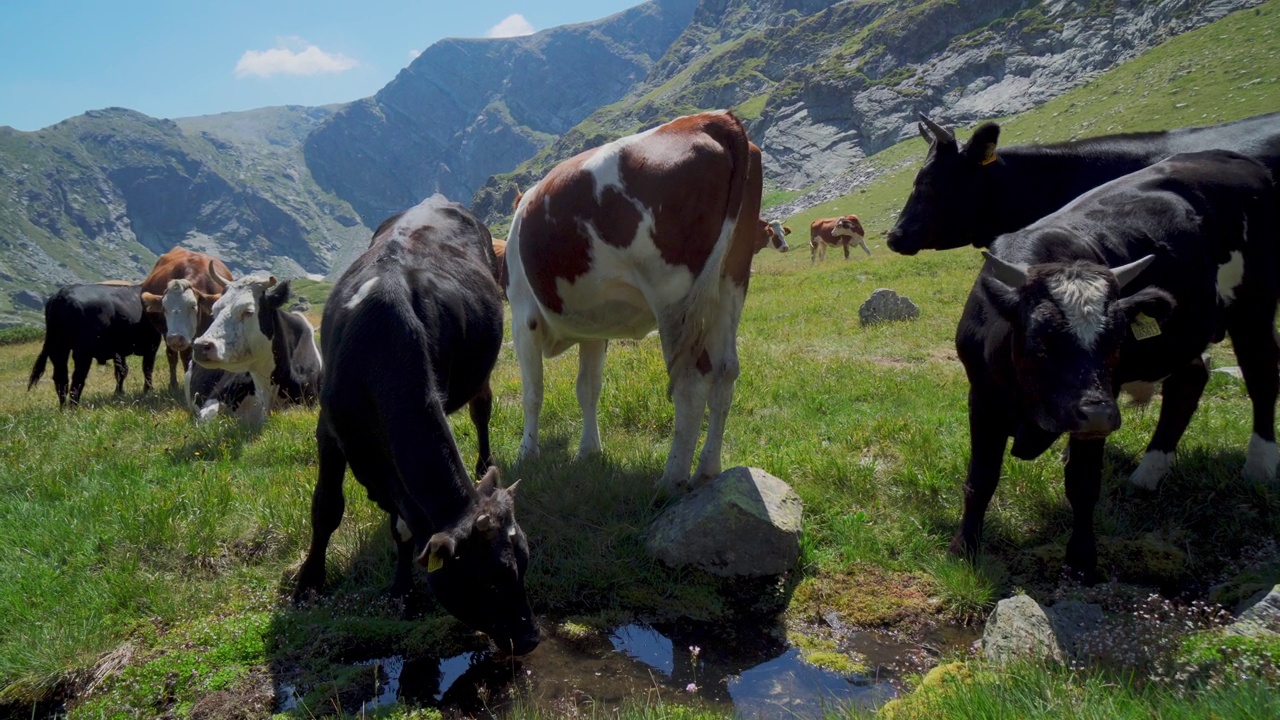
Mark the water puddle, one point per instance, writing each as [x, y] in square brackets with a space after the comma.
[754, 674]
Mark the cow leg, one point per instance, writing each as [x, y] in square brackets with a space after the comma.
[1181, 395]
[1253, 336]
[173, 366]
[529, 356]
[987, 440]
[83, 361]
[481, 408]
[813, 249]
[591, 355]
[1083, 486]
[60, 358]
[845, 245]
[403, 579]
[722, 347]
[822, 252]
[148, 367]
[689, 393]
[863, 243]
[327, 505]
[122, 372]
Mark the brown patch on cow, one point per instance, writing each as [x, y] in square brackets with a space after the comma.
[500, 253]
[737, 266]
[704, 363]
[384, 226]
[823, 230]
[552, 243]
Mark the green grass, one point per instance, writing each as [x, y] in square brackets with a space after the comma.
[137, 545]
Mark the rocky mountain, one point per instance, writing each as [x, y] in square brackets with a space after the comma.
[467, 109]
[821, 83]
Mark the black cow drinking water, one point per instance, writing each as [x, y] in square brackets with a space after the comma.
[969, 195]
[411, 333]
[1128, 283]
[94, 322]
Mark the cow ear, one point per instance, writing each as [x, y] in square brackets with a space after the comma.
[1003, 298]
[152, 303]
[786, 229]
[981, 148]
[439, 548]
[489, 483]
[276, 296]
[1151, 301]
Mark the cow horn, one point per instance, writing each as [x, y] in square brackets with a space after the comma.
[271, 281]
[217, 276]
[1012, 274]
[943, 134]
[1126, 273]
[924, 133]
[512, 487]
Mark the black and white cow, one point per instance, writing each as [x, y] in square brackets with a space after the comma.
[94, 322]
[210, 391]
[411, 333]
[969, 195]
[1128, 283]
[252, 332]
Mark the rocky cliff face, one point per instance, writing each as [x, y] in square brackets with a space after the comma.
[467, 109]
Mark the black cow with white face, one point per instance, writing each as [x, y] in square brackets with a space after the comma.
[411, 333]
[970, 195]
[94, 322]
[252, 333]
[1127, 284]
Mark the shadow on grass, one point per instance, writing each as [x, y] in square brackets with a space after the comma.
[586, 522]
[1202, 524]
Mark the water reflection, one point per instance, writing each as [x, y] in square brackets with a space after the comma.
[750, 672]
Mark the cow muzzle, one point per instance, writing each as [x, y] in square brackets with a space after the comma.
[205, 350]
[894, 241]
[1096, 419]
[177, 343]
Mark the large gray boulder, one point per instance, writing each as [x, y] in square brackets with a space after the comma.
[1261, 620]
[744, 523]
[885, 305]
[1020, 627]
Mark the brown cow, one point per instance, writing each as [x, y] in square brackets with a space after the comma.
[500, 249]
[178, 296]
[655, 229]
[835, 231]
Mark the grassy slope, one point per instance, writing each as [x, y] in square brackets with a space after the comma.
[123, 521]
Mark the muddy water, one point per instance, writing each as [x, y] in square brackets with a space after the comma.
[753, 674]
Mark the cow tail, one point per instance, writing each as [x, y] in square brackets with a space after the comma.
[38, 369]
[696, 316]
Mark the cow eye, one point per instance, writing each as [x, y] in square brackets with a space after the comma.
[247, 312]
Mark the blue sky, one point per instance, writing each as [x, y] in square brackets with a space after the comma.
[175, 58]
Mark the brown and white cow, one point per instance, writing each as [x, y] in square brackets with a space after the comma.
[178, 297]
[500, 251]
[772, 234]
[654, 229]
[835, 231]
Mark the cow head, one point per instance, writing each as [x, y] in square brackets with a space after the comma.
[1068, 322]
[947, 205]
[851, 225]
[186, 312]
[244, 323]
[476, 568]
[772, 234]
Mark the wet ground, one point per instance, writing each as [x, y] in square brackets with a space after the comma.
[753, 673]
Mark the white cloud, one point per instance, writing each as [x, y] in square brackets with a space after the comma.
[292, 56]
[413, 54]
[512, 26]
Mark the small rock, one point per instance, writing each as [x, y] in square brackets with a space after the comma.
[745, 522]
[886, 305]
[1020, 627]
[1232, 370]
[1261, 620]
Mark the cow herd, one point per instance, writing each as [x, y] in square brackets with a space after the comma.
[1111, 264]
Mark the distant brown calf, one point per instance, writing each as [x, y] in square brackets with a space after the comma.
[835, 231]
[500, 249]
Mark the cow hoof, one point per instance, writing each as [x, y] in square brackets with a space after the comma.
[1154, 466]
[1260, 467]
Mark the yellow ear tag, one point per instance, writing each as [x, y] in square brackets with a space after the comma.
[1144, 327]
[434, 563]
[991, 156]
